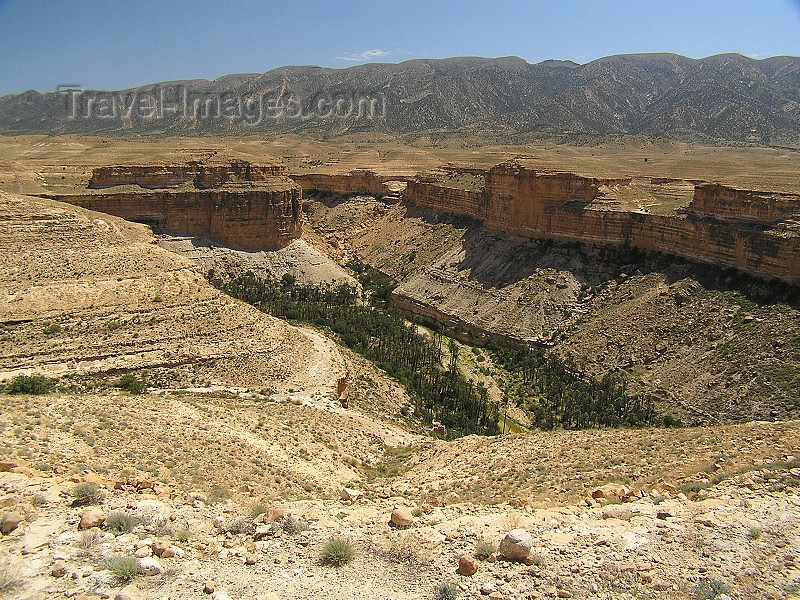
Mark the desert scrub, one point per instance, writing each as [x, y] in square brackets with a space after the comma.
[119, 522]
[484, 549]
[292, 525]
[87, 541]
[446, 591]
[86, 494]
[710, 588]
[30, 384]
[9, 578]
[218, 494]
[183, 535]
[132, 384]
[241, 526]
[338, 551]
[258, 509]
[123, 568]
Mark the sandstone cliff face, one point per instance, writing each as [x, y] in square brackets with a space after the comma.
[554, 206]
[722, 202]
[238, 204]
[201, 175]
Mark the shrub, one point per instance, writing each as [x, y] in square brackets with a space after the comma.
[9, 578]
[241, 527]
[258, 509]
[218, 494]
[446, 591]
[30, 384]
[183, 535]
[86, 494]
[484, 549]
[119, 522]
[338, 551]
[87, 540]
[51, 328]
[132, 384]
[123, 568]
[292, 525]
[710, 588]
[754, 533]
[404, 549]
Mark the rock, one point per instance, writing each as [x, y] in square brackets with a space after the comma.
[611, 491]
[208, 588]
[59, 569]
[269, 596]
[564, 594]
[662, 586]
[487, 588]
[261, 532]
[143, 552]
[351, 494]
[92, 517]
[11, 521]
[272, 515]
[173, 551]
[664, 514]
[150, 566]
[129, 592]
[251, 559]
[467, 565]
[159, 547]
[8, 466]
[402, 517]
[495, 596]
[221, 596]
[516, 545]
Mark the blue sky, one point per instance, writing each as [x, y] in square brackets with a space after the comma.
[114, 45]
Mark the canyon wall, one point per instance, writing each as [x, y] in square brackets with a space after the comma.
[238, 204]
[722, 225]
[358, 181]
[201, 175]
[721, 202]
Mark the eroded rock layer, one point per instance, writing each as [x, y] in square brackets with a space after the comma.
[751, 231]
[238, 204]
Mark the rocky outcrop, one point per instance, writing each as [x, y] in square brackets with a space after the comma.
[722, 202]
[199, 174]
[238, 204]
[722, 225]
[358, 181]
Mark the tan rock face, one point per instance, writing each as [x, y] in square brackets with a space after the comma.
[357, 181]
[516, 545]
[550, 205]
[202, 175]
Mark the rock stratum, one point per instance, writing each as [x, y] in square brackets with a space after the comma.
[237, 204]
[755, 232]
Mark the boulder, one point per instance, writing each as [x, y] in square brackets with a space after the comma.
[150, 566]
[351, 494]
[616, 511]
[11, 521]
[516, 545]
[611, 491]
[402, 517]
[92, 517]
[467, 565]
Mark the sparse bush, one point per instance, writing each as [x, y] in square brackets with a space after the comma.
[119, 522]
[87, 540]
[446, 591]
[123, 568]
[241, 527]
[39, 500]
[218, 494]
[183, 535]
[338, 551]
[30, 384]
[538, 560]
[9, 578]
[132, 384]
[292, 525]
[404, 549]
[484, 549]
[258, 509]
[710, 588]
[754, 533]
[86, 494]
[51, 328]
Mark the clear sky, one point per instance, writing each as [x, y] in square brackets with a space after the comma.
[115, 44]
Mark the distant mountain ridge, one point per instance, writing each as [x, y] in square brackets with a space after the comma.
[727, 98]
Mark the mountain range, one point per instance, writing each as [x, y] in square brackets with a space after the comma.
[722, 99]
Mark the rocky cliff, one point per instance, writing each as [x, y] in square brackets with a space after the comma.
[199, 174]
[238, 204]
[722, 225]
[358, 181]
